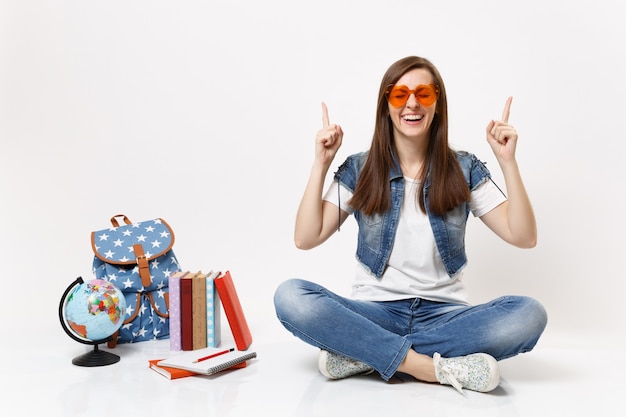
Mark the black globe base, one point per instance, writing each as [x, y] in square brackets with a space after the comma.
[96, 357]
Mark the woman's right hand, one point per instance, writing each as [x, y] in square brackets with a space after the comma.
[328, 140]
[317, 219]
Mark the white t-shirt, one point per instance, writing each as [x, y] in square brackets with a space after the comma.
[415, 268]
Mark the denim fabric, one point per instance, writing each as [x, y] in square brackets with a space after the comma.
[381, 333]
[377, 233]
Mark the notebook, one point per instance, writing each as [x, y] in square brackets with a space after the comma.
[175, 373]
[207, 361]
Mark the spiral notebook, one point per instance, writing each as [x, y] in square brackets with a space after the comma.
[207, 361]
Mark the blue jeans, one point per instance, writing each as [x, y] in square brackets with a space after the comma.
[380, 333]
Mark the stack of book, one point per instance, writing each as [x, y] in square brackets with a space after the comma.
[195, 301]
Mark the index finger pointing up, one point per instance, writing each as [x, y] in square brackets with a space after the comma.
[325, 121]
[507, 110]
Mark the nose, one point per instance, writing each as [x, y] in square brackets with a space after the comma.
[412, 100]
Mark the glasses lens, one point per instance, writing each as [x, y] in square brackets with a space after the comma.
[398, 96]
[426, 94]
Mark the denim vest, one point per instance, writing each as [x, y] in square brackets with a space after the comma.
[377, 233]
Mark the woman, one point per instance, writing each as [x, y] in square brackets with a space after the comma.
[411, 195]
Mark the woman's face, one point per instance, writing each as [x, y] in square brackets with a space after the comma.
[412, 119]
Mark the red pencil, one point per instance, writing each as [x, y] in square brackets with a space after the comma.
[213, 355]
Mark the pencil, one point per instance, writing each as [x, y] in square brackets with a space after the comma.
[213, 355]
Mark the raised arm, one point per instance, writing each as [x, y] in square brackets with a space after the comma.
[514, 220]
[316, 219]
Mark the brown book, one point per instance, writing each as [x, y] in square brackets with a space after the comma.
[198, 310]
[186, 312]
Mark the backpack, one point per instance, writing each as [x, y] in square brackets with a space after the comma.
[138, 259]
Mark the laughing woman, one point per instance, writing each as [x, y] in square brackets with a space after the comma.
[411, 195]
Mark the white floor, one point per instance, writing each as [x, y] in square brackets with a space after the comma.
[557, 379]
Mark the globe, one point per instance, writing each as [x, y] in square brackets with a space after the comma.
[90, 313]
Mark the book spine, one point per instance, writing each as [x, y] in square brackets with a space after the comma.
[234, 312]
[213, 328]
[186, 314]
[198, 309]
[174, 310]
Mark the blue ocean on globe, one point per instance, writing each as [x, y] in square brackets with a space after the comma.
[95, 310]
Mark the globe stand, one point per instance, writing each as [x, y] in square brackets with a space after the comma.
[95, 357]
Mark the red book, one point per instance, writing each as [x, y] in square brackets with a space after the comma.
[186, 312]
[234, 312]
[169, 373]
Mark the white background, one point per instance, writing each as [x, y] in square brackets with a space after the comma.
[204, 113]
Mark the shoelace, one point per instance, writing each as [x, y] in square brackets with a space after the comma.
[450, 373]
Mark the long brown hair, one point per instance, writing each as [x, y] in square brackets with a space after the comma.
[448, 188]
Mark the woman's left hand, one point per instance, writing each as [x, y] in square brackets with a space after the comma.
[501, 136]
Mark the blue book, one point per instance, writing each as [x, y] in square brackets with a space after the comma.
[213, 309]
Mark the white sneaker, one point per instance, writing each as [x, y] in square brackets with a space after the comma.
[476, 372]
[335, 366]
